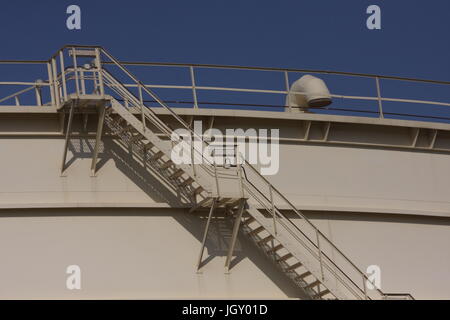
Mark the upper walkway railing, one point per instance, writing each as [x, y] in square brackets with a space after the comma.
[237, 87]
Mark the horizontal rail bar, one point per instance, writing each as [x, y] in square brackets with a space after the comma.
[317, 71]
[161, 86]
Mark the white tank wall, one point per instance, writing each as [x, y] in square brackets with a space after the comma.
[153, 254]
[136, 253]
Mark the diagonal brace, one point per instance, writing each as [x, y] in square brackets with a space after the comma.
[211, 211]
[68, 132]
[236, 226]
[101, 120]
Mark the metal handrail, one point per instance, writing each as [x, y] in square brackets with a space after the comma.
[286, 71]
[317, 231]
[181, 121]
[153, 116]
[316, 255]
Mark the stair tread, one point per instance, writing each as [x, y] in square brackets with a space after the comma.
[285, 257]
[266, 239]
[294, 266]
[257, 230]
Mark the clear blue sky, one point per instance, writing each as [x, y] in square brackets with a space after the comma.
[322, 34]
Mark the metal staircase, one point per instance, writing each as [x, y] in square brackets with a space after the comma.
[282, 232]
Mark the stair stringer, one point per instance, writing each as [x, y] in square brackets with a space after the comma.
[150, 136]
[295, 251]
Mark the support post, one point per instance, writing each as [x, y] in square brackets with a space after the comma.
[66, 143]
[63, 74]
[101, 120]
[237, 223]
[320, 255]
[211, 211]
[380, 104]
[75, 71]
[194, 90]
[56, 83]
[288, 89]
[98, 64]
[51, 83]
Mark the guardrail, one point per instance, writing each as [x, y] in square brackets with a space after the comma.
[194, 88]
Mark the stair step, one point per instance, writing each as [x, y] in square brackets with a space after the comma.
[126, 128]
[248, 221]
[137, 137]
[157, 155]
[222, 201]
[312, 284]
[276, 248]
[186, 182]
[294, 266]
[266, 239]
[304, 275]
[178, 173]
[198, 190]
[322, 293]
[285, 257]
[257, 230]
[167, 164]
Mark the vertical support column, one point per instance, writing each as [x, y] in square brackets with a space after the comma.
[286, 81]
[237, 158]
[205, 234]
[273, 210]
[37, 90]
[98, 64]
[75, 71]
[237, 223]
[51, 84]
[66, 143]
[380, 105]
[194, 171]
[194, 90]
[364, 286]
[55, 83]
[141, 100]
[63, 74]
[83, 85]
[320, 255]
[101, 120]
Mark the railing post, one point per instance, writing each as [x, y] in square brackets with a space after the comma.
[51, 84]
[273, 210]
[75, 70]
[364, 286]
[215, 173]
[194, 91]
[98, 65]
[55, 82]
[286, 80]
[380, 105]
[38, 93]
[239, 166]
[83, 86]
[194, 171]
[320, 254]
[141, 100]
[63, 74]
